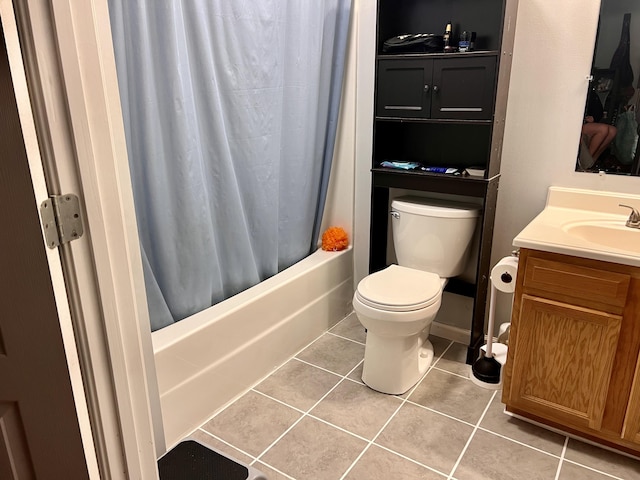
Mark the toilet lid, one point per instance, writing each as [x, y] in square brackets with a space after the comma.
[399, 289]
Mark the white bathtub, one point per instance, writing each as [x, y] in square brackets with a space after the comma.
[211, 358]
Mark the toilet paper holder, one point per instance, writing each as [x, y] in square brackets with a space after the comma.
[506, 277]
[486, 371]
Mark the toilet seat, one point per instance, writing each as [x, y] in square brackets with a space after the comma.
[399, 289]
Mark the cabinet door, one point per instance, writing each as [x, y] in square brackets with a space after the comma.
[563, 361]
[404, 88]
[631, 427]
[463, 88]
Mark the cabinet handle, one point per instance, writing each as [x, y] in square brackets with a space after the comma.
[436, 88]
[426, 88]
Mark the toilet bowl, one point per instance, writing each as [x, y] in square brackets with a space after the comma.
[398, 304]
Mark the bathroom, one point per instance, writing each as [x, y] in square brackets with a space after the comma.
[552, 58]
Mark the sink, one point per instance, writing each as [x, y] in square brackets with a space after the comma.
[585, 223]
[610, 234]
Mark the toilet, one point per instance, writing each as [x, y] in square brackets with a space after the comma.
[398, 304]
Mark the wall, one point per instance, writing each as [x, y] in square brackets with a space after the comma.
[552, 59]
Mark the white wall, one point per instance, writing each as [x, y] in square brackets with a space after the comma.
[552, 59]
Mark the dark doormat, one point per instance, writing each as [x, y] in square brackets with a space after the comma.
[190, 460]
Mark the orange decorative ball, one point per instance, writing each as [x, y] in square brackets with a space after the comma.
[335, 239]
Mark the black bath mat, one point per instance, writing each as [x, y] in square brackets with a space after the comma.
[191, 460]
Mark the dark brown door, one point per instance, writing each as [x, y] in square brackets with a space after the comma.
[463, 88]
[404, 88]
[39, 432]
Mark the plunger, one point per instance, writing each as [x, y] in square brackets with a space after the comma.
[486, 368]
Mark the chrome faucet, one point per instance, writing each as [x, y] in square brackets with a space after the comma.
[634, 217]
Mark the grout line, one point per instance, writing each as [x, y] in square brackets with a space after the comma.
[435, 362]
[593, 469]
[299, 410]
[504, 437]
[342, 429]
[560, 461]
[403, 401]
[345, 338]
[253, 464]
[305, 414]
[464, 450]
[253, 458]
[355, 381]
[410, 459]
[452, 373]
[441, 413]
[322, 368]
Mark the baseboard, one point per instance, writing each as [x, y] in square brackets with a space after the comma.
[455, 334]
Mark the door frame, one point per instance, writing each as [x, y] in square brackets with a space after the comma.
[70, 71]
[53, 263]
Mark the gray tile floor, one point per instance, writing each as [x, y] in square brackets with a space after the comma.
[313, 418]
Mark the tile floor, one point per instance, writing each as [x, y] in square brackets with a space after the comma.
[313, 418]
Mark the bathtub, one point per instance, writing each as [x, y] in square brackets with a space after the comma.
[209, 359]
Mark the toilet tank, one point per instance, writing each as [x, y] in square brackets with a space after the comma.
[433, 235]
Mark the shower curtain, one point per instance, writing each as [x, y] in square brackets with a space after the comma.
[230, 110]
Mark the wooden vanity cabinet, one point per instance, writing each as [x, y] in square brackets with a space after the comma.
[574, 346]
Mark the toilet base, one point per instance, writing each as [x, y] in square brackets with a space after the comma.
[395, 364]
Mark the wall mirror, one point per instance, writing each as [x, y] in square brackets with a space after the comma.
[611, 121]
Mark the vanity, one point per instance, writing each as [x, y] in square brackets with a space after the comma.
[574, 350]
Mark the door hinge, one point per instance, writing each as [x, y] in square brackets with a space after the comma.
[61, 219]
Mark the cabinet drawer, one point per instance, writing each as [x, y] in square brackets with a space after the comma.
[576, 284]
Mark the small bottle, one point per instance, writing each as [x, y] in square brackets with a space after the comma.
[463, 43]
[472, 42]
[448, 38]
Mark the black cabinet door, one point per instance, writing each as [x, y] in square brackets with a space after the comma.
[458, 88]
[404, 88]
[463, 88]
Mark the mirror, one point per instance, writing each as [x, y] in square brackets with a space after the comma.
[612, 110]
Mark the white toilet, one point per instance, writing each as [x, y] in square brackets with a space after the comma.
[397, 305]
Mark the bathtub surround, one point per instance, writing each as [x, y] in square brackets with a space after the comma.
[231, 111]
[210, 358]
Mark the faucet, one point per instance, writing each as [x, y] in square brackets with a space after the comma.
[634, 218]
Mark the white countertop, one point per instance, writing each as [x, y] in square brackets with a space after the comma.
[565, 207]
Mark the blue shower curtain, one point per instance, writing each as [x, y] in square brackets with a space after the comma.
[230, 110]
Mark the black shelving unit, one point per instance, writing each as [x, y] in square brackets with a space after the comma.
[443, 110]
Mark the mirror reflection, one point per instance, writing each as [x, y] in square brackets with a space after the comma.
[612, 111]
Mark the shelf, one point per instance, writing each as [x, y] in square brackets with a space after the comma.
[460, 287]
[484, 53]
[471, 186]
[442, 109]
[441, 121]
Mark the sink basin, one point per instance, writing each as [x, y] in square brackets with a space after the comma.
[611, 234]
[586, 224]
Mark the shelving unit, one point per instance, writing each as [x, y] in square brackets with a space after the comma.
[443, 110]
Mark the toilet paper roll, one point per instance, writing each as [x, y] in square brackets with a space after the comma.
[503, 275]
